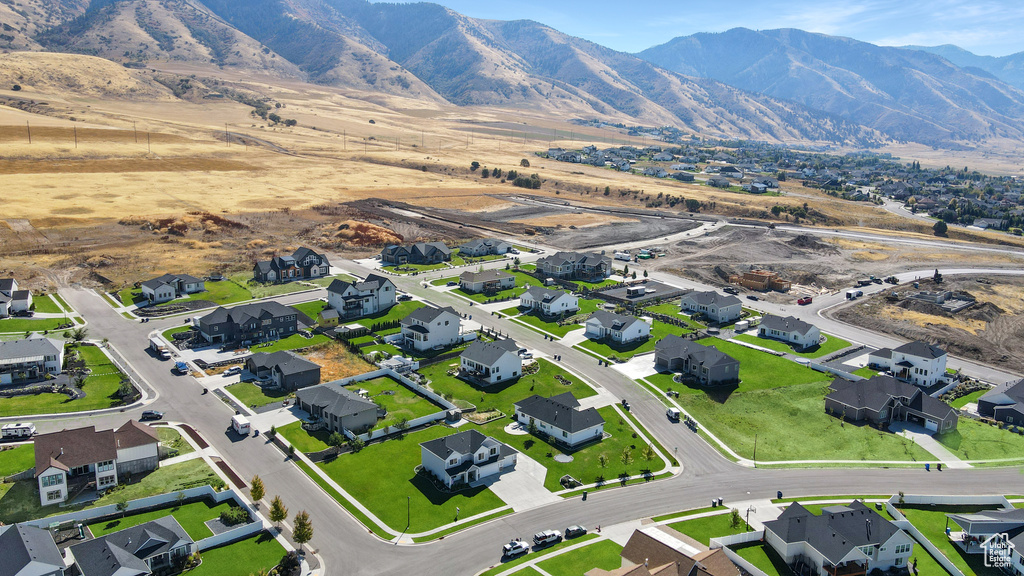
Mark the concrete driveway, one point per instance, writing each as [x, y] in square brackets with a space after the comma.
[523, 488]
[924, 439]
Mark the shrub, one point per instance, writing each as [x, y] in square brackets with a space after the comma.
[234, 515]
[16, 87]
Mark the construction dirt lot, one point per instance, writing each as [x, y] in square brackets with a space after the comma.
[989, 331]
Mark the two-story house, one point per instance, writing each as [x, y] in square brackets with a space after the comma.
[852, 539]
[29, 551]
[71, 461]
[548, 302]
[882, 400]
[12, 300]
[718, 308]
[707, 364]
[466, 457]
[618, 328]
[491, 362]
[1004, 403]
[249, 323]
[417, 253]
[284, 369]
[486, 281]
[157, 546]
[561, 418]
[484, 247]
[30, 359]
[576, 266]
[170, 286]
[304, 263]
[338, 407]
[353, 300]
[428, 328]
[790, 330]
[916, 362]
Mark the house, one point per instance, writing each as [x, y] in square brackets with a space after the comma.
[466, 457]
[719, 182]
[152, 547]
[707, 364]
[714, 306]
[486, 281]
[616, 327]
[976, 529]
[730, 172]
[484, 247]
[249, 323]
[548, 302]
[761, 280]
[683, 176]
[285, 369]
[851, 540]
[575, 266]
[1004, 403]
[428, 328]
[337, 407]
[12, 300]
[661, 551]
[663, 157]
[303, 263]
[790, 330]
[882, 400]
[418, 253]
[70, 461]
[561, 418]
[30, 359]
[916, 362]
[29, 551]
[492, 362]
[373, 295]
[170, 286]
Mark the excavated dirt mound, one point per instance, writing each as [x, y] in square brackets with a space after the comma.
[805, 242]
[366, 234]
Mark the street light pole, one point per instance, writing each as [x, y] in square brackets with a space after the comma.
[408, 512]
[755, 450]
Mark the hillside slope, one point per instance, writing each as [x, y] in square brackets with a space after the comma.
[1009, 68]
[22, 20]
[49, 73]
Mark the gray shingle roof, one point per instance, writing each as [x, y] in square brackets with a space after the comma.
[541, 294]
[428, 314]
[462, 442]
[287, 362]
[124, 552]
[71, 448]
[614, 321]
[786, 324]
[674, 346]
[484, 276]
[487, 353]
[1006, 394]
[334, 399]
[560, 411]
[873, 393]
[712, 298]
[921, 350]
[25, 545]
[242, 314]
[833, 535]
[35, 346]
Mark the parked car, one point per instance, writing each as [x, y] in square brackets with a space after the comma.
[233, 370]
[151, 415]
[673, 414]
[515, 548]
[752, 297]
[730, 290]
[575, 531]
[404, 297]
[452, 283]
[546, 537]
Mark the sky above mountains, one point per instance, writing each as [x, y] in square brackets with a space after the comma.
[985, 27]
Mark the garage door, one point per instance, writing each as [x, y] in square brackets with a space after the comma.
[931, 425]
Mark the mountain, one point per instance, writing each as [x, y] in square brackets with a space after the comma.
[909, 95]
[21, 20]
[1009, 69]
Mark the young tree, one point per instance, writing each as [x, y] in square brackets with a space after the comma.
[645, 273]
[524, 163]
[602, 460]
[125, 389]
[356, 444]
[302, 528]
[121, 505]
[734, 518]
[277, 510]
[79, 334]
[336, 439]
[648, 452]
[402, 426]
[473, 166]
[626, 457]
[256, 490]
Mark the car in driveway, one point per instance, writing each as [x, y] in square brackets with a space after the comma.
[404, 297]
[514, 548]
[546, 537]
[452, 283]
[575, 531]
[233, 370]
[151, 415]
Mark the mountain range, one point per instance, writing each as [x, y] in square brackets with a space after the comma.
[778, 85]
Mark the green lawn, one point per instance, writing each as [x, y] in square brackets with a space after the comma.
[17, 459]
[22, 325]
[708, 527]
[192, 518]
[62, 302]
[585, 466]
[766, 559]
[673, 310]
[410, 268]
[502, 395]
[973, 440]
[254, 396]
[311, 309]
[396, 312]
[965, 400]
[243, 558]
[304, 441]
[100, 390]
[791, 424]
[401, 403]
[865, 372]
[658, 331]
[931, 521]
[522, 279]
[293, 342]
[259, 290]
[383, 477]
[170, 438]
[169, 334]
[832, 344]
[44, 303]
[222, 292]
[534, 320]
[444, 281]
[603, 555]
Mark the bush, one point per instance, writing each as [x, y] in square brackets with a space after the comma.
[234, 515]
[16, 87]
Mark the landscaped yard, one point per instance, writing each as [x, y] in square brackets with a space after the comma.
[790, 423]
[192, 517]
[658, 331]
[410, 268]
[603, 555]
[17, 459]
[535, 320]
[396, 312]
[220, 292]
[521, 279]
[974, 440]
[765, 558]
[968, 399]
[832, 344]
[304, 441]
[865, 372]
[22, 325]
[100, 390]
[673, 310]
[170, 438]
[502, 395]
[383, 476]
[326, 281]
[45, 304]
[293, 342]
[243, 558]
[169, 334]
[708, 527]
[401, 404]
[311, 309]
[254, 396]
[931, 521]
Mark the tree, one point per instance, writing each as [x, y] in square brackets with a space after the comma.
[524, 163]
[402, 426]
[648, 452]
[602, 460]
[125, 389]
[734, 518]
[78, 380]
[16, 87]
[291, 122]
[335, 439]
[121, 505]
[302, 528]
[634, 275]
[274, 118]
[607, 190]
[626, 457]
[256, 490]
[277, 510]
[79, 334]
[645, 273]
[940, 228]
[356, 444]
[473, 166]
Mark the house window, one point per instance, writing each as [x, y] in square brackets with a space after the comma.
[867, 550]
[105, 466]
[53, 480]
[453, 461]
[53, 495]
[494, 451]
[903, 549]
[565, 434]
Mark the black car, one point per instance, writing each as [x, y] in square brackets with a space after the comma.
[151, 415]
[730, 290]
[575, 531]
[752, 297]
[404, 297]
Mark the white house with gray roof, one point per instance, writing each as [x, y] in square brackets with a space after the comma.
[790, 330]
[12, 300]
[548, 302]
[29, 551]
[466, 457]
[428, 328]
[486, 281]
[576, 265]
[491, 362]
[716, 307]
[916, 362]
[484, 247]
[1004, 403]
[30, 359]
[170, 286]
[156, 546]
[561, 418]
[616, 327]
[357, 299]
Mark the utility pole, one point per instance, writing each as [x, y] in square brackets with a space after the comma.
[29, 128]
[75, 128]
[149, 144]
[226, 141]
[408, 512]
[136, 131]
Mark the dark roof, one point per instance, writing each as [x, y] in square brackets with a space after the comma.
[428, 314]
[712, 298]
[560, 411]
[132, 434]
[35, 346]
[302, 252]
[674, 346]
[582, 258]
[25, 545]
[484, 276]
[68, 449]
[372, 282]
[287, 362]
[6, 284]
[124, 552]
[613, 321]
[466, 442]
[242, 314]
[990, 521]
[873, 393]
[1006, 394]
[786, 324]
[882, 353]
[921, 350]
[543, 294]
[488, 353]
[335, 399]
[643, 548]
[833, 535]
